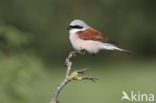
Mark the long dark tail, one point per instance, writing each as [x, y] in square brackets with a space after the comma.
[109, 46]
[125, 50]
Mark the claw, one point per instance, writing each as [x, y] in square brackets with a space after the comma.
[82, 51]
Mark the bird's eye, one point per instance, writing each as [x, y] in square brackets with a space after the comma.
[77, 27]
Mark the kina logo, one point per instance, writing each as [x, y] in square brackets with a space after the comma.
[137, 97]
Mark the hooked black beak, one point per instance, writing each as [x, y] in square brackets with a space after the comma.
[68, 28]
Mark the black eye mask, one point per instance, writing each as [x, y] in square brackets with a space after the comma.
[76, 27]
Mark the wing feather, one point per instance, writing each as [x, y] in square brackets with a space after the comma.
[92, 34]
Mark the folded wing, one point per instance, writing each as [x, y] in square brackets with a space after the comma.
[92, 34]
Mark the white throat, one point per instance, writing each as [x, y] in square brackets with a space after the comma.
[73, 31]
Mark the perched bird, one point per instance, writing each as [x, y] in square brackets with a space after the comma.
[84, 37]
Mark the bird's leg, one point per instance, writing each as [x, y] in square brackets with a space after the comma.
[82, 51]
[93, 54]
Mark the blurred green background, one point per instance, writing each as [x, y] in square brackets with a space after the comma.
[34, 43]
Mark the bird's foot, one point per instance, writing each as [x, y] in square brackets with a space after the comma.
[82, 51]
[93, 54]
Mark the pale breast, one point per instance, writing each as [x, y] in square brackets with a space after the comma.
[79, 44]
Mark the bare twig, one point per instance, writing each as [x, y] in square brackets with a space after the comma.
[82, 71]
[68, 63]
[58, 89]
[90, 78]
[69, 77]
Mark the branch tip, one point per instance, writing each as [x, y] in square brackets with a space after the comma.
[70, 76]
[90, 78]
[82, 71]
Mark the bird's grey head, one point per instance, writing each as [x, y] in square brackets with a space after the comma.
[77, 24]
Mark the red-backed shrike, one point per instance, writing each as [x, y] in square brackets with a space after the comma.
[84, 37]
